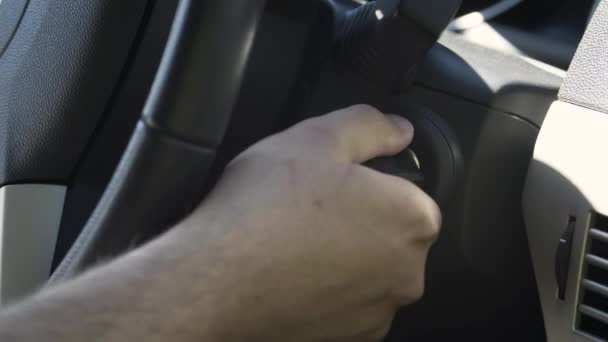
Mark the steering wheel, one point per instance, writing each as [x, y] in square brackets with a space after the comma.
[174, 143]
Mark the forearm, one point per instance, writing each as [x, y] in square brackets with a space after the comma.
[153, 294]
[296, 242]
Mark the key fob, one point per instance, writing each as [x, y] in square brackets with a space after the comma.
[405, 165]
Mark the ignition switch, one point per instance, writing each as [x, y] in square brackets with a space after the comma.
[405, 165]
[433, 162]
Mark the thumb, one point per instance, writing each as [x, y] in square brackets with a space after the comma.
[362, 133]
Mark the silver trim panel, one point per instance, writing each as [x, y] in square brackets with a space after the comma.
[594, 313]
[29, 223]
[597, 261]
[595, 287]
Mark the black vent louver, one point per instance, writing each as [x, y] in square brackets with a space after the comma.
[593, 307]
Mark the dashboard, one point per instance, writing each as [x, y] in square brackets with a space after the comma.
[546, 30]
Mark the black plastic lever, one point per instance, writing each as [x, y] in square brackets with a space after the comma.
[387, 8]
[383, 41]
[562, 258]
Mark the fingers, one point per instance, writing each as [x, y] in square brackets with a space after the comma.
[402, 199]
[412, 222]
[360, 133]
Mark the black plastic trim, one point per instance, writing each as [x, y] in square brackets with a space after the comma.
[562, 258]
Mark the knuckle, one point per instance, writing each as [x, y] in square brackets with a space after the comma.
[319, 132]
[364, 109]
[249, 154]
[378, 322]
[414, 209]
[417, 290]
[252, 156]
[413, 290]
[381, 331]
[427, 220]
[312, 135]
[367, 114]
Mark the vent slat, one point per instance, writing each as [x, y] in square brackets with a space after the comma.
[594, 313]
[592, 318]
[597, 261]
[597, 234]
[595, 287]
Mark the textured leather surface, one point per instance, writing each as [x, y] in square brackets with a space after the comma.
[56, 78]
[11, 12]
[587, 81]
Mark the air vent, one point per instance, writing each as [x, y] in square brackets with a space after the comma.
[593, 308]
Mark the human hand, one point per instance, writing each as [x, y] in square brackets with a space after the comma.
[308, 245]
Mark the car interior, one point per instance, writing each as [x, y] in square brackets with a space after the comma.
[117, 117]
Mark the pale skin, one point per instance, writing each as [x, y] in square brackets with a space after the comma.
[297, 242]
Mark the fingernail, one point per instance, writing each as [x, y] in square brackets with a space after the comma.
[404, 124]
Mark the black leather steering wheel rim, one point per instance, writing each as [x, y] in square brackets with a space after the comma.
[162, 172]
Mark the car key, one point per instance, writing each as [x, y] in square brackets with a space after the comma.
[405, 165]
